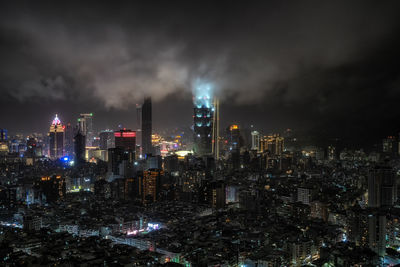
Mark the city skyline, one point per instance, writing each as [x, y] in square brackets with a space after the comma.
[316, 76]
[199, 134]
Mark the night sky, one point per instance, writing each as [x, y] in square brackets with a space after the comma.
[329, 69]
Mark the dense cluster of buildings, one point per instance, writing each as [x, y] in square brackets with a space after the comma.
[214, 198]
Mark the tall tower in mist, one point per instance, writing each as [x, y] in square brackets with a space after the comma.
[146, 126]
[203, 119]
[56, 139]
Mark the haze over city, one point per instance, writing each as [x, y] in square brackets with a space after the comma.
[199, 133]
[318, 67]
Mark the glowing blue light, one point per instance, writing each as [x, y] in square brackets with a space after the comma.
[202, 91]
[198, 124]
[65, 159]
[198, 115]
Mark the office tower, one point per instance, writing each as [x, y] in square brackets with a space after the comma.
[147, 126]
[234, 138]
[273, 144]
[151, 185]
[69, 140]
[32, 149]
[255, 141]
[215, 132]
[203, 115]
[125, 139]
[218, 195]
[331, 153]
[153, 162]
[390, 146]
[56, 139]
[85, 126]
[120, 163]
[3, 135]
[377, 233]
[107, 139]
[52, 188]
[234, 144]
[304, 195]
[382, 187]
[79, 148]
[32, 223]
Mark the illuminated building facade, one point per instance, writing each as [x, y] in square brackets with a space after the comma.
[121, 158]
[215, 132]
[3, 135]
[85, 126]
[56, 139]
[146, 126]
[3, 141]
[273, 144]
[125, 139]
[255, 141]
[151, 185]
[203, 119]
[234, 137]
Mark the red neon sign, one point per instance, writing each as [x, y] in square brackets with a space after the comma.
[129, 134]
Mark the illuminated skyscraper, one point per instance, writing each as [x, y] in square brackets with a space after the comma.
[56, 139]
[3, 135]
[234, 138]
[255, 141]
[85, 126]
[273, 144]
[125, 139]
[151, 185]
[139, 126]
[215, 132]
[203, 119]
[146, 126]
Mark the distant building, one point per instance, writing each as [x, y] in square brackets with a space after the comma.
[146, 111]
[125, 139]
[390, 146]
[151, 185]
[56, 139]
[69, 140]
[255, 141]
[107, 139]
[203, 119]
[120, 162]
[273, 144]
[3, 135]
[79, 148]
[85, 126]
[304, 195]
[382, 187]
[154, 162]
[52, 188]
[32, 223]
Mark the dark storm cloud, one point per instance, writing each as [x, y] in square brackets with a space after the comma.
[315, 60]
